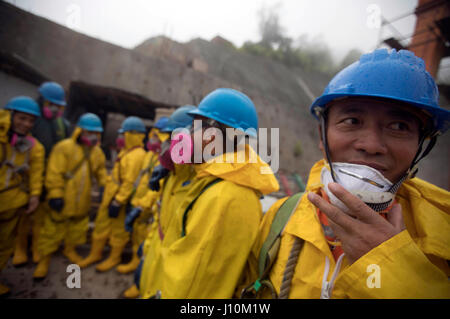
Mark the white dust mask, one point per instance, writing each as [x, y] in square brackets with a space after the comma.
[363, 181]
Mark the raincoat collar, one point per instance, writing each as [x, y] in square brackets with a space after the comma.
[246, 174]
[423, 208]
[305, 223]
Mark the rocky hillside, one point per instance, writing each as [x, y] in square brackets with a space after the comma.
[286, 93]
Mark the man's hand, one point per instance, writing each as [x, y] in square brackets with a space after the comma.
[361, 229]
[158, 173]
[33, 203]
[131, 217]
[57, 204]
[114, 209]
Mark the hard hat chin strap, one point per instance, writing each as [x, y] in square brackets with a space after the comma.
[323, 128]
[412, 171]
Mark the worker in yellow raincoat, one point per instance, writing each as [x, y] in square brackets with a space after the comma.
[21, 171]
[367, 228]
[72, 165]
[213, 226]
[141, 218]
[119, 189]
[166, 181]
[48, 129]
[144, 198]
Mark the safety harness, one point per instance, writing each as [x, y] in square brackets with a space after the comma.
[269, 252]
[146, 170]
[70, 174]
[56, 217]
[15, 171]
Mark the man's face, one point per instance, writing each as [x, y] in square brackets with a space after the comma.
[200, 145]
[92, 137]
[22, 123]
[379, 134]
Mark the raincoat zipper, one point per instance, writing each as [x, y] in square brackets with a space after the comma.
[327, 286]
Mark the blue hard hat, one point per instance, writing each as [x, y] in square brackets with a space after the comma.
[90, 122]
[161, 122]
[53, 92]
[180, 118]
[399, 76]
[24, 104]
[229, 107]
[132, 123]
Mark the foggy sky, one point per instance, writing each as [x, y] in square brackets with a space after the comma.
[342, 25]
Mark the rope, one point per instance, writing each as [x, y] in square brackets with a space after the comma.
[290, 268]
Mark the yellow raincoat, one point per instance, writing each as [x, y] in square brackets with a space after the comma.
[64, 180]
[146, 199]
[220, 230]
[28, 184]
[120, 186]
[411, 264]
[174, 189]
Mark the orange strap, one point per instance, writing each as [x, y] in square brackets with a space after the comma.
[334, 242]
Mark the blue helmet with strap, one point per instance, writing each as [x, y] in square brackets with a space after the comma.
[395, 76]
[53, 92]
[161, 122]
[398, 76]
[229, 107]
[132, 123]
[90, 122]
[23, 104]
[180, 118]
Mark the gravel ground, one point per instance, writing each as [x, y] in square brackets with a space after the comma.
[108, 285]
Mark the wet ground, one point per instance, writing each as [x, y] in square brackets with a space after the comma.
[108, 285]
[93, 285]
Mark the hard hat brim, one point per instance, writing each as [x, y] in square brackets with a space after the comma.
[210, 116]
[442, 116]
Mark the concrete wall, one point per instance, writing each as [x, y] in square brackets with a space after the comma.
[65, 56]
[11, 86]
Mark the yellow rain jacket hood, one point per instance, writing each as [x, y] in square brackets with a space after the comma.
[71, 167]
[161, 136]
[245, 174]
[411, 264]
[31, 162]
[207, 258]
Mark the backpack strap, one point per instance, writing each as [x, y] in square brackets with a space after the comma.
[271, 245]
[20, 171]
[146, 170]
[189, 207]
[71, 174]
